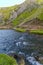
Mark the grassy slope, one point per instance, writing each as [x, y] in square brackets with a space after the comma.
[36, 31]
[26, 14]
[39, 1]
[23, 16]
[6, 11]
[7, 60]
[41, 15]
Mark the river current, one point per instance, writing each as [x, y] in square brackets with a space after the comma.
[21, 43]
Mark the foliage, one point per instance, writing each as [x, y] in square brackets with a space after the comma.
[23, 16]
[40, 16]
[6, 12]
[20, 29]
[36, 31]
[7, 60]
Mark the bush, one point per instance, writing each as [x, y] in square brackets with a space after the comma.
[7, 60]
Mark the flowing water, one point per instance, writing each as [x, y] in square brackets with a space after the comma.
[21, 43]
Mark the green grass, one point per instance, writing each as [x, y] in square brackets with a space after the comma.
[23, 16]
[20, 29]
[39, 1]
[36, 31]
[7, 60]
[6, 12]
[31, 31]
[40, 16]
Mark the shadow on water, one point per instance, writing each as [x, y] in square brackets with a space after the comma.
[21, 44]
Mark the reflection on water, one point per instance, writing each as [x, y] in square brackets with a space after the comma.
[20, 43]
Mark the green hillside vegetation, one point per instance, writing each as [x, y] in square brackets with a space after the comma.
[6, 12]
[8, 9]
[40, 16]
[36, 31]
[39, 1]
[7, 60]
[26, 16]
[23, 16]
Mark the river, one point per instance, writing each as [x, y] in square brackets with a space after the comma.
[21, 43]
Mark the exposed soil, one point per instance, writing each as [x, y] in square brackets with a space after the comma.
[8, 26]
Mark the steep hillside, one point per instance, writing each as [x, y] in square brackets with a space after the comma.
[8, 14]
[24, 15]
[30, 13]
[16, 17]
[40, 16]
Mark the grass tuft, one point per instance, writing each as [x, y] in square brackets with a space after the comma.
[7, 60]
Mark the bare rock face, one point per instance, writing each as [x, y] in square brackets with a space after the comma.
[2, 21]
[22, 8]
[1, 18]
[13, 15]
[26, 5]
[30, 1]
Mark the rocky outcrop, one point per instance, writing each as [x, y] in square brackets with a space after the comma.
[1, 17]
[28, 4]
[22, 8]
[13, 15]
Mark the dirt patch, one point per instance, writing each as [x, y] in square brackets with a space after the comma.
[9, 26]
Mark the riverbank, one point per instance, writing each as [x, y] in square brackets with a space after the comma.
[22, 30]
[9, 26]
[34, 26]
[30, 31]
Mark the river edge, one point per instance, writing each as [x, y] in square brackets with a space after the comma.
[39, 32]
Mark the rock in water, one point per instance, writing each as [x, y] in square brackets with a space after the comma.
[18, 57]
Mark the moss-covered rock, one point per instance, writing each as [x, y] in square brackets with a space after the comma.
[7, 60]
